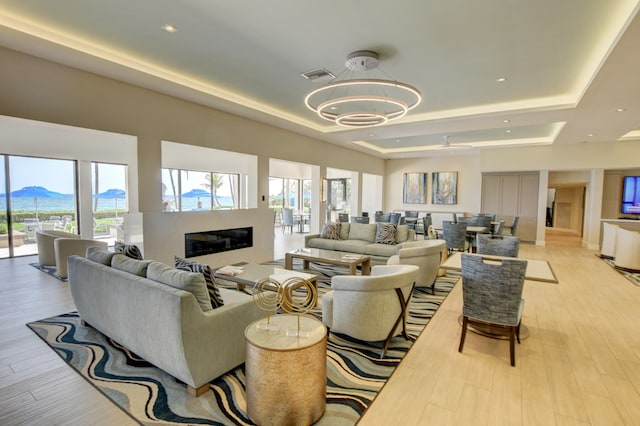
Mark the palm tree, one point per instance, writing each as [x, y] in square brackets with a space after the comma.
[216, 181]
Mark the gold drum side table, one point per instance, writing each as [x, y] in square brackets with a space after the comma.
[286, 374]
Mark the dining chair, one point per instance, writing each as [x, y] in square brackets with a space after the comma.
[426, 223]
[497, 245]
[381, 217]
[497, 229]
[395, 218]
[411, 218]
[360, 219]
[287, 219]
[511, 230]
[492, 297]
[455, 236]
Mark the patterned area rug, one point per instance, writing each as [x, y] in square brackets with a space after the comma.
[355, 374]
[49, 270]
[634, 277]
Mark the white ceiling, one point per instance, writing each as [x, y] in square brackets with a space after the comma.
[569, 64]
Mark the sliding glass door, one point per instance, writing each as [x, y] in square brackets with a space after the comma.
[37, 194]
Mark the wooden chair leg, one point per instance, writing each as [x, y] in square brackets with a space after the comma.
[463, 334]
[402, 317]
[512, 345]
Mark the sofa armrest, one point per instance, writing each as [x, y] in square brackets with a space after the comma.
[307, 237]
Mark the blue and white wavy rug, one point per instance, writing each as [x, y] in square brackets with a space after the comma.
[355, 374]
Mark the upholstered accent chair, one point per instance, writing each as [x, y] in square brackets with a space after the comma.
[65, 247]
[497, 245]
[455, 235]
[46, 250]
[608, 247]
[371, 308]
[427, 255]
[492, 296]
[627, 250]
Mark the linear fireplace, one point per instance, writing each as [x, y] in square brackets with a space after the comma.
[208, 242]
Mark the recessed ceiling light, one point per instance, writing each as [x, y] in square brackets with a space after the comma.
[169, 28]
[506, 121]
[508, 131]
[621, 109]
[590, 135]
[501, 79]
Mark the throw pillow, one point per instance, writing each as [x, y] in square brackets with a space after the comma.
[183, 280]
[212, 284]
[386, 233]
[132, 266]
[129, 250]
[99, 255]
[331, 231]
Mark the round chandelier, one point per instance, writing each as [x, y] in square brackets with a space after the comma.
[362, 102]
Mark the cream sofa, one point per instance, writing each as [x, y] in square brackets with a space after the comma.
[360, 238]
[163, 324]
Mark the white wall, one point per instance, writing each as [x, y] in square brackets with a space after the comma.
[469, 182]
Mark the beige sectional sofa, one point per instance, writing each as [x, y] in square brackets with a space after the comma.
[172, 328]
[361, 238]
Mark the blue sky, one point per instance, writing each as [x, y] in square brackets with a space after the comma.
[56, 175]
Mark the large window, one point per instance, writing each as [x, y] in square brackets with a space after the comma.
[109, 189]
[190, 190]
[41, 196]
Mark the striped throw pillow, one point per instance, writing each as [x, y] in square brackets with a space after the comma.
[212, 284]
[331, 231]
[386, 233]
[129, 250]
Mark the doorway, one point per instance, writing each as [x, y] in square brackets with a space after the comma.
[565, 209]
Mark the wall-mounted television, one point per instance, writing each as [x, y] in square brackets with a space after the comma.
[631, 195]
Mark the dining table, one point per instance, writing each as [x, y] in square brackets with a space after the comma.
[537, 270]
[302, 219]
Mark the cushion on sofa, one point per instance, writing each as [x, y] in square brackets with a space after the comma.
[353, 246]
[331, 231]
[381, 250]
[344, 230]
[402, 233]
[189, 281]
[130, 250]
[127, 264]
[385, 233]
[323, 243]
[363, 231]
[205, 270]
[99, 255]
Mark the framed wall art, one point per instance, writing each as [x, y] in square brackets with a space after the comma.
[444, 188]
[414, 188]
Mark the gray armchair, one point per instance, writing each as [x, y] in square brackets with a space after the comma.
[427, 255]
[497, 245]
[492, 296]
[372, 307]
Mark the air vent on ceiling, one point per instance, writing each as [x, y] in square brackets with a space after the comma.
[318, 75]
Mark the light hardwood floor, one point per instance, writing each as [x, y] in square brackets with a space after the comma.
[580, 366]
